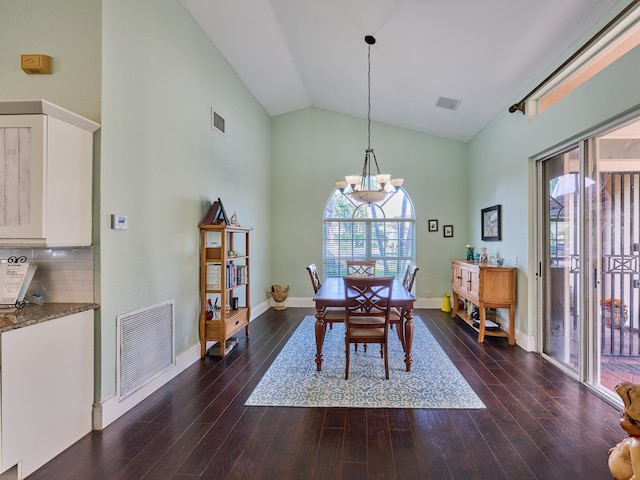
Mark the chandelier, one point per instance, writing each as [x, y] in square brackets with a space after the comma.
[367, 187]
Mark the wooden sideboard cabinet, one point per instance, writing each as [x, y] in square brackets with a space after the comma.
[487, 286]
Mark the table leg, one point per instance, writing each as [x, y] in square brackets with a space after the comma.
[512, 324]
[400, 329]
[319, 327]
[482, 326]
[408, 338]
[456, 302]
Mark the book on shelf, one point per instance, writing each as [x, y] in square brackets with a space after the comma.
[231, 276]
[241, 274]
[213, 276]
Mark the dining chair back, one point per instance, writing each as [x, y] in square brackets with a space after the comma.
[410, 276]
[396, 315]
[331, 315]
[367, 304]
[315, 278]
[361, 268]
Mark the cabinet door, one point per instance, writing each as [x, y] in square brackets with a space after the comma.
[47, 389]
[470, 281]
[456, 277]
[22, 176]
[474, 281]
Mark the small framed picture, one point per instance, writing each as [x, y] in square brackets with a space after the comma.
[447, 230]
[433, 225]
[491, 223]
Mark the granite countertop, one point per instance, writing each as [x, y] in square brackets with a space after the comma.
[11, 318]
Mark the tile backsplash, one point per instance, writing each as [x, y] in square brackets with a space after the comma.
[64, 275]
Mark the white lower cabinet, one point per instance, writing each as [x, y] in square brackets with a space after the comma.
[46, 391]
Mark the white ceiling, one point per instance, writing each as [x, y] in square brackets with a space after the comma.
[293, 54]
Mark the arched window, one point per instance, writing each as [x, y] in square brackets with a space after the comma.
[384, 233]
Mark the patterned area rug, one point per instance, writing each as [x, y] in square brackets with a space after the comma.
[292, 379]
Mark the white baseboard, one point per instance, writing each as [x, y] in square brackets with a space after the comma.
[110, 409]
[259, 309]
[528, 342]
[429, 303]
[14, 473]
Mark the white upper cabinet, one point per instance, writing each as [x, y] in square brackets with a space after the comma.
[46, 158]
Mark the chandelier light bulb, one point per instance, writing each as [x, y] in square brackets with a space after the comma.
[352, 179]
[383, 178]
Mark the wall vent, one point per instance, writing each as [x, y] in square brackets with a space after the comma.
[146, 340]
[217, 122]
[448, 103]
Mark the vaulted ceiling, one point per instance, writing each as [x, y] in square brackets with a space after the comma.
[293, 54]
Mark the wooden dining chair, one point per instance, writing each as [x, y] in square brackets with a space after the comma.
[315, 278]
[410, 276]
[396, 315]
[361, 268]
[331, 314]
[367, 303]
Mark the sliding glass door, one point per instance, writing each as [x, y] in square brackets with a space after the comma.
[588, 267]
[559, 263]
[617, 162]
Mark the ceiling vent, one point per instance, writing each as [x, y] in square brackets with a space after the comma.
[217, 122]
[448, 103]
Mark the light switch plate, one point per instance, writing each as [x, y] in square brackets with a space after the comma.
[119, 222]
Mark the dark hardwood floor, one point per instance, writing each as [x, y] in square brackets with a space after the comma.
[539, 424]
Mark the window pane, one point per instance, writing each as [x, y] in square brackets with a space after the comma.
[385, 234]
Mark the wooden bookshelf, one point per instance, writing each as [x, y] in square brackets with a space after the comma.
[224, 274]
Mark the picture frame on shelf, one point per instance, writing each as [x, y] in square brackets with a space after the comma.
[216, 214]
[447, 231]
[491, 223]
[433, 225]
[222, 218]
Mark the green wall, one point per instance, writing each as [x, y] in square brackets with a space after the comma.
[313, 148]
[500, 160]
[148, 74]
[70, 32]
[162, 164]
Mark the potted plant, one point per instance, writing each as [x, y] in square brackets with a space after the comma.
[614, 309]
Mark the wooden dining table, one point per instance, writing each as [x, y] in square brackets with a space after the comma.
[331, 294]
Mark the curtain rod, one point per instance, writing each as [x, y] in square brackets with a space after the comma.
[520, 106]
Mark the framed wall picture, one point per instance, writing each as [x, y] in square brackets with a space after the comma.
[491, 223]
[447, 230]
[433, 225]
